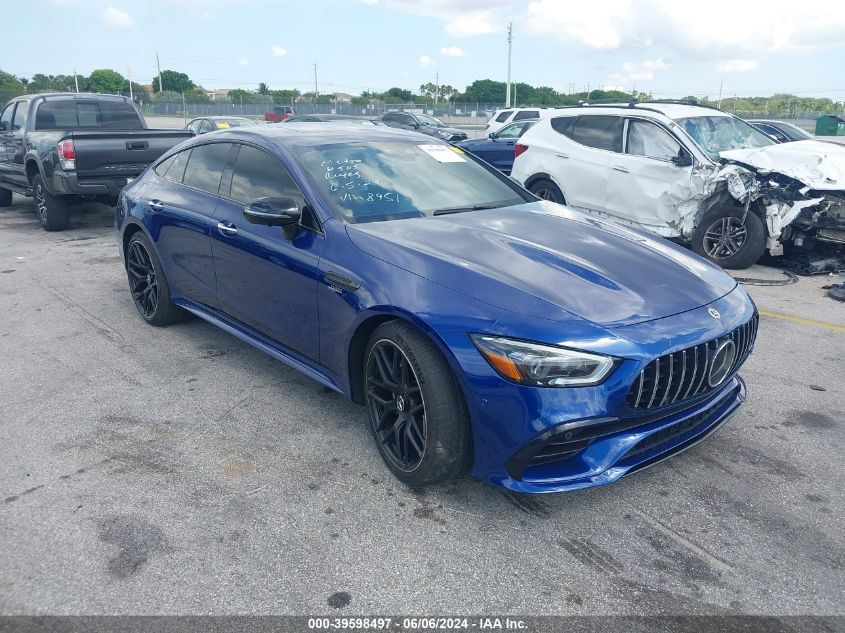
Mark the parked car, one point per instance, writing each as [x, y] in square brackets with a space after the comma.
[333, 118]
[781, 131]
[278, 113]
[425, 124]
[692, 173]
[482, 329]
[203, 125]
[498, 147]
[501, 118]
[64, 147]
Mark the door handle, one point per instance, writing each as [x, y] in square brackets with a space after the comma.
[561, 155]
[227, 228]
[156, 205]
[510, 142]
[624, 170]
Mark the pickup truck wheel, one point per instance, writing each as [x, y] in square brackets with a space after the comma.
[148, 285]
[5, 197]
[417, 413]
[547, 190]
[52, 211]
[725, 239]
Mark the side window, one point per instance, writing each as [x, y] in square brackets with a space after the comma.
[513, 130]
[773, 131]
[177, 168]
[161, 168]
[390, 118]
[600, 131]
[407, 119]
[194, 126]
[503, 116]
[206, 165]
[206, 126]
[564, 124]
[20, 115]
[526, 114]
[647, 139]
[258, 174]
[6, 118]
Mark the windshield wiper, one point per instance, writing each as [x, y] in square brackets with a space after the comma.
[474, 207]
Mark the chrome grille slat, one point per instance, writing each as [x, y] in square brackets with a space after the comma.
[682, 374]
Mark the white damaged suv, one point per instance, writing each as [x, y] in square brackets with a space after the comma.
[691, 173]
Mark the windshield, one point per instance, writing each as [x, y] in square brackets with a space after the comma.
[794, 132]
[716, 134]
[224, 123]
[371, 182]
[426, 119]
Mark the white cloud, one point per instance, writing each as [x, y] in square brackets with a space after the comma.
[451, 51]
[737, 65]
[116, 18]
[243, 62]
[644, 70]
[720, 29]
[368, 2]
[278, 51]
[425, 61]
[462, 18]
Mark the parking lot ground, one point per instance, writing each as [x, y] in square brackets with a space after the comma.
[180, 471]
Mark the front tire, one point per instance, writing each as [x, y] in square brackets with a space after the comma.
[148, 284]
[417, 413]
[547, 190]
[5, 197]
[725, 239]
[53, 212]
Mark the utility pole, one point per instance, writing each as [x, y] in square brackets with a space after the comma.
[721, 83]
[158, 65]
[510, 46]
[316, 93]
[514, 94]
[130, 84]
[76, 80]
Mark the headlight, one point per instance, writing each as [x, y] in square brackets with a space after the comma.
[542, 365]
[444, 134]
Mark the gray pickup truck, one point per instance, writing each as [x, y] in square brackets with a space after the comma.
[66, 147]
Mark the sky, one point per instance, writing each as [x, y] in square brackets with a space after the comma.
[671, 48]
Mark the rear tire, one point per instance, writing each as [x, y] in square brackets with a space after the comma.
[52, 211]
[148, 284]
[417, 412]
[724, 239]
[547, 190]
[5, 197]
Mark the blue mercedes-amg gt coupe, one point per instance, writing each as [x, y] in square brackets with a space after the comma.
[482, 328]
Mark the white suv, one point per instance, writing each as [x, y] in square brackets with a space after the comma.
[504, 116]
[691, 173]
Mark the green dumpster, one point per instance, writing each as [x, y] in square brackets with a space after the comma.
[830, 125]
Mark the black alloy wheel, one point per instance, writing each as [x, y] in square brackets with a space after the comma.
[396, 405]
[547, 190]
[143, 282]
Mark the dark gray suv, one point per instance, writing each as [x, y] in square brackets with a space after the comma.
[425, 124]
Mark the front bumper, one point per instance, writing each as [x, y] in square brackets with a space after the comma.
[609, 448]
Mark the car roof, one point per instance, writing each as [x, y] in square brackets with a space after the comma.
[72, 95]
[671, 110]
[223, 117]
[307, 135]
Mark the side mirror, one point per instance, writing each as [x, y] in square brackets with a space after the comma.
[491, 136]
[273, 211]
[683, 159]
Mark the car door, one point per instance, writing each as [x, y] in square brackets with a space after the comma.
[581, 167]
[498, 150]
[648, 181]
[264, 279]
[6, 142]
[15, 147]
[182, 203]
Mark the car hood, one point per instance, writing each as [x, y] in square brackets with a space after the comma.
[548, 261]
[819, 165]
[430, 129]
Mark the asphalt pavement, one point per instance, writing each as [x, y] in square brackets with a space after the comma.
[180, 471]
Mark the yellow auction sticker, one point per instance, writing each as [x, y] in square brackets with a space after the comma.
[222, 125]
[457, 150]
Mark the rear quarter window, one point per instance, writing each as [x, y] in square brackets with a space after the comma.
[563, 125]
[526, 114]
[600, 132]
[503, 116]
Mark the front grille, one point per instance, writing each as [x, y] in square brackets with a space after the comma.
[683, 375]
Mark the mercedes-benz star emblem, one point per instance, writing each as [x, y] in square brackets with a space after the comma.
[714, 313]
[721, 363]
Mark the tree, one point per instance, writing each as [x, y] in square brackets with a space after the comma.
[10, 83]
[196, 95]
[106, 80]
[398, 95]
[173, 81]
[284, 97]
[263, 89]
[486, 91]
